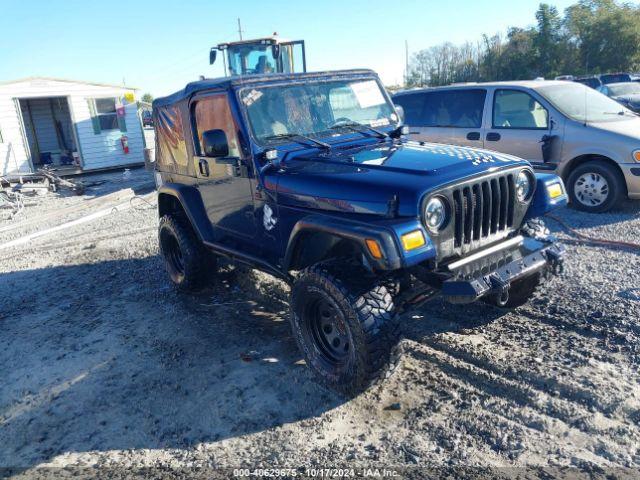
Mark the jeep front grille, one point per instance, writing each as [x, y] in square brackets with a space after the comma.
[483, 210]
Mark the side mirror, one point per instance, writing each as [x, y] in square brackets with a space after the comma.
[275, 51]
[214, 143]
[400, 112]
[212, 55]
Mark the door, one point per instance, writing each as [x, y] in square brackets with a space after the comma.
[445, 116]
[423, 125]
[224, 183]
[292, 57]
[519, 124]
[465, 109]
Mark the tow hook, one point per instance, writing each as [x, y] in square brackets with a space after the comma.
[556, 261]
[500, 290]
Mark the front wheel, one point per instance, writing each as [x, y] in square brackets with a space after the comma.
[345, 324]
[595, 187]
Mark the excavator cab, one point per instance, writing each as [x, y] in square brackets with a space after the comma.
[261, 56]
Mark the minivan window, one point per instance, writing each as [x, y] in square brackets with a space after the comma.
[583, 104]
[518, 109]
[459, 108]
[413, 105]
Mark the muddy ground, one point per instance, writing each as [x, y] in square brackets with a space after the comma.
[103, 364]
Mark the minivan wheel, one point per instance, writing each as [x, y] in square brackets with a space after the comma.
[187, 261]
[345, 325]
[595, 187]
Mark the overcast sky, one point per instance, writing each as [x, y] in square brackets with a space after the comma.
[160, 45]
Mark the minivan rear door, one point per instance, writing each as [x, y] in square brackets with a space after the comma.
[423, 125]
[465, 108]
[445, 116]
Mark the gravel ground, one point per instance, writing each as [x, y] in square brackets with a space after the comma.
[105, 365]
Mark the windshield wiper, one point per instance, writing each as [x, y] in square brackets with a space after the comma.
[299, 138]
[359, 127]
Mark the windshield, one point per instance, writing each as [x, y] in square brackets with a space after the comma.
[315, 109]
[629, 88]
[583, 104]
[252, 58]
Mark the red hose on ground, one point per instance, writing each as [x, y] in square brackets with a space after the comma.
[587, 238]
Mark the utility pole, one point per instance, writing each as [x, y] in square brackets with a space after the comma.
[239, 29]
[406, 63]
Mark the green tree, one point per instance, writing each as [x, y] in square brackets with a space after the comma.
[147, 98]
[594, 36]
[546, 40]
[606, 35]
[518, 60]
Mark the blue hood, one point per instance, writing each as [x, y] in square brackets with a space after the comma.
[366, 179]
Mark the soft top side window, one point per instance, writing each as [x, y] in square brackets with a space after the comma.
[213, 112]
[172, 149]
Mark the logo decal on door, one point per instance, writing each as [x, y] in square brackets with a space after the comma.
[268, 220]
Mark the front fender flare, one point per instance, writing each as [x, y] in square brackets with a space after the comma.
[349, 230]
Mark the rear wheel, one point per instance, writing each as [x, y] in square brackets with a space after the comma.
[345, 325]
[595, 187]
[186, 259]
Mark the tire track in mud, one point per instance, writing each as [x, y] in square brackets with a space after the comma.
[531, 410]
[588, 400]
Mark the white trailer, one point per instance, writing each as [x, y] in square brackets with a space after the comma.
[70, 126]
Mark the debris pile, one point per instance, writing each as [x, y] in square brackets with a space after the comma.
[43, 179]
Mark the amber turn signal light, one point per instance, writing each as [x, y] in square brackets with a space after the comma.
[374, 248]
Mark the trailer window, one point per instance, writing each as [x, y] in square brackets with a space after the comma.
[106, 113]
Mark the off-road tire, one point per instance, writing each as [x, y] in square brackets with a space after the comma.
[615, 181]
[368, 315]
[189, 267]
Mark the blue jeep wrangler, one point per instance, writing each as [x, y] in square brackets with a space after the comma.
[308, 177]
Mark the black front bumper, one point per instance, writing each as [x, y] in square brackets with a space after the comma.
[492, 274]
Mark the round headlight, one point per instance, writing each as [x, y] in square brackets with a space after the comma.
[524, 185]
[435, 214]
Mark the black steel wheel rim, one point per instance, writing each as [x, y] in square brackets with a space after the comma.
[328, 330]
[172, 253]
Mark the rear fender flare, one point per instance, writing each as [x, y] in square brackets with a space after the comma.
[188, 198]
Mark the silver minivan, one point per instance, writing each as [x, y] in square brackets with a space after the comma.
[589, 139]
